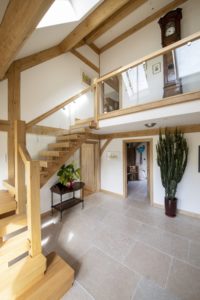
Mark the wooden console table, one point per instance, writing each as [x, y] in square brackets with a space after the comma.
[62, 190]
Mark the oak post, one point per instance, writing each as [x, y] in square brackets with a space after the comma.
[20, 189]
[33, 206]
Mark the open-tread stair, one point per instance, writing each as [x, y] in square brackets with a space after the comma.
[66, 145]
[7, 202]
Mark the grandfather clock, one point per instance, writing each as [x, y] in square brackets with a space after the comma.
[170, 33]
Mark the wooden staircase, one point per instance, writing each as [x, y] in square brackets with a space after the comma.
[24, 271]
[58, 153]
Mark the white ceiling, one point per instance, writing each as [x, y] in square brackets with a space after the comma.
[187, 119]
[44, 38]
[3, 6]
[141, 13]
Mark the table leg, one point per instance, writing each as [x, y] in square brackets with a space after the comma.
[82, 198]
[52, 203]
[61, 208]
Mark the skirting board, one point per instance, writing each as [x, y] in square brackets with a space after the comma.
[111, 193]
[180, 211]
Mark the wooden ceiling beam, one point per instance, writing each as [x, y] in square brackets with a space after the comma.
[120, 14]
[143, 23]
[38, 58]
[20, 19]
[99, 15]
[85, 60]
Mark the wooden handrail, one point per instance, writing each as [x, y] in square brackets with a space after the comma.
[162, 51]
[58, 107]
[24, 154]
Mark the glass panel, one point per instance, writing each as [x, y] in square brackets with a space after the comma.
[188, 62]
[80, 109]
[110, 91]
[174, 73]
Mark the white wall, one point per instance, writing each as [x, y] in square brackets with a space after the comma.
[42, 88]
[147, 40]
[49, 84]
[188, 189]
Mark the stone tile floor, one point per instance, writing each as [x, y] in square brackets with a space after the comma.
[124, 249]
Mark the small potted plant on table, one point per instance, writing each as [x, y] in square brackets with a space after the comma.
[172, 154]
[68, 174]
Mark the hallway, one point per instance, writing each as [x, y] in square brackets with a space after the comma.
[137, 190]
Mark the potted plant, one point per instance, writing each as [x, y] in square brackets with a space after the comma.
[68, 174]
[172, 154]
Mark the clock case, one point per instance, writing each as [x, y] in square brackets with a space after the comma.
[172, 82]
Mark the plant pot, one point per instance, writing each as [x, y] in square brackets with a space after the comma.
[170, 207]
[70, 184]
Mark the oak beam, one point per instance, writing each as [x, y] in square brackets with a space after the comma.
[143, 23]
[85, 60]
[20, 20]
[13, 114]
[38, 58]
[20, 189]
[120, 14]
[46, 130]
[105, 145]
[4, 125]
[99, 15]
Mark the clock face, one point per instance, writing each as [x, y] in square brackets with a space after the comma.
[170, 29]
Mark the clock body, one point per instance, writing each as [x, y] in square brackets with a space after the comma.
[170, 26]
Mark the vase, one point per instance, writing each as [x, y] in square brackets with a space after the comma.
[70, 184]
[170, 207]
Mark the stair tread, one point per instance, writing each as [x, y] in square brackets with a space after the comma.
[12, 224]
[59, 145]
[7, 203]
[14, 247]
[21, 276]
[52, 153]
[57, 280]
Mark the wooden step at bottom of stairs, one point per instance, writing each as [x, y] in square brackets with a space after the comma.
[57, 280]
[7, 202]
[11, 224]
[13, 248]
[19, 277]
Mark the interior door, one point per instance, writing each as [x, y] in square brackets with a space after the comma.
[88, 174]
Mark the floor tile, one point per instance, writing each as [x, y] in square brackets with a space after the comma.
[105, 278]
[77, 293]
[184, 281]
[148, 290]
[149, 262]
[194, 254]
[113, 242]
[167, 242]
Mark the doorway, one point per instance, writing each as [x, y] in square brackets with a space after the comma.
[89, 157]
[138, 169]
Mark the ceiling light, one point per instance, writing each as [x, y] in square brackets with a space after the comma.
[189, 43]
[150, 125]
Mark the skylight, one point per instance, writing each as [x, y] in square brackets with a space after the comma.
[66, 11]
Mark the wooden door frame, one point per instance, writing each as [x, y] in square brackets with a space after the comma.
[150, 166]
[97, 162]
